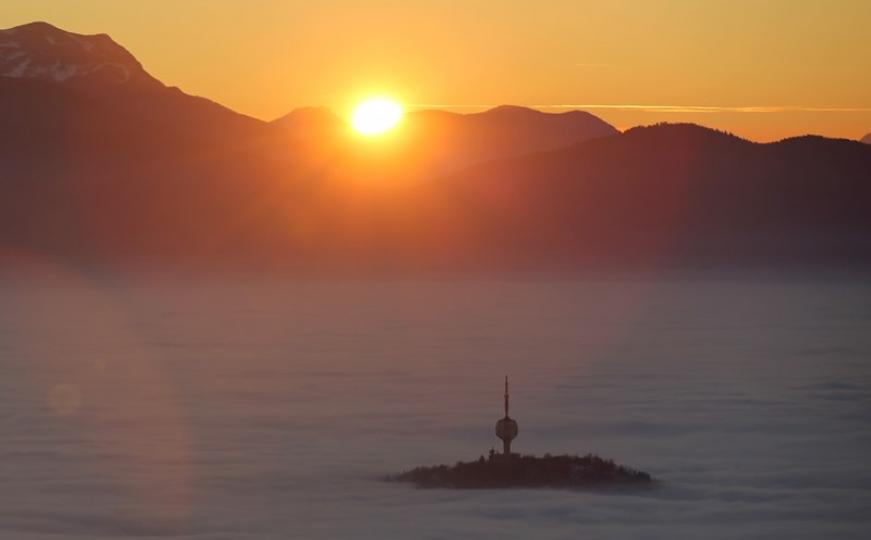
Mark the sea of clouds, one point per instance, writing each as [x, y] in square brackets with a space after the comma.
[267, 409]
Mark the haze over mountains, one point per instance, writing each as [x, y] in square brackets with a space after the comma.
[102, 162]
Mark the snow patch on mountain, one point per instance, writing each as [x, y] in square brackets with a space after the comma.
[42, 51]
[19, 70]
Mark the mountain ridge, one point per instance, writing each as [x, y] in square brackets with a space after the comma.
[433, 142]
[676, 191]
[42, 51]
[108, 171]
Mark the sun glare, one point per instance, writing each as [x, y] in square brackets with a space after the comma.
[376, 116]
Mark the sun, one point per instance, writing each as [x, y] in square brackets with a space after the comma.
[376, 116]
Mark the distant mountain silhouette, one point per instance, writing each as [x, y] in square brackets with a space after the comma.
[433, 142]
[312, 123]
[41, 51]
[67, 88]
[98, 155]
[867, 139]
[103, 163]
[672, 191]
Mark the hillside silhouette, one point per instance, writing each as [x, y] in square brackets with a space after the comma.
[432, 142]
[103, 163]
[681, 192]
[867, 139]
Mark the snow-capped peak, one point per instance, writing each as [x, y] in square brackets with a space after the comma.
[42, 51]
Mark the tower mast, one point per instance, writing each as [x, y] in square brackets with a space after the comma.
[506, 396]
[506, 428]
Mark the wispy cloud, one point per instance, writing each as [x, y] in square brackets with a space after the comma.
[704, 109]
[597, 64]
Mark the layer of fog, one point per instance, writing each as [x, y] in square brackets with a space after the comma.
[212, 409]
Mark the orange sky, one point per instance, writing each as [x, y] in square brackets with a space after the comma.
[761, 69]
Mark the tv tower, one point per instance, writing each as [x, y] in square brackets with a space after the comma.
[506, 428]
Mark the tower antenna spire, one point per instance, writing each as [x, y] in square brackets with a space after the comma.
[506, 396]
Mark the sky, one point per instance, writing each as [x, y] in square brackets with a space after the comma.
[761, 69]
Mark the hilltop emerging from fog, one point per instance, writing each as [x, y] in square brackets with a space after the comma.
[524, 471]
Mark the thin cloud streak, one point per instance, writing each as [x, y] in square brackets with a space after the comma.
[708, 109]
[593, 64]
